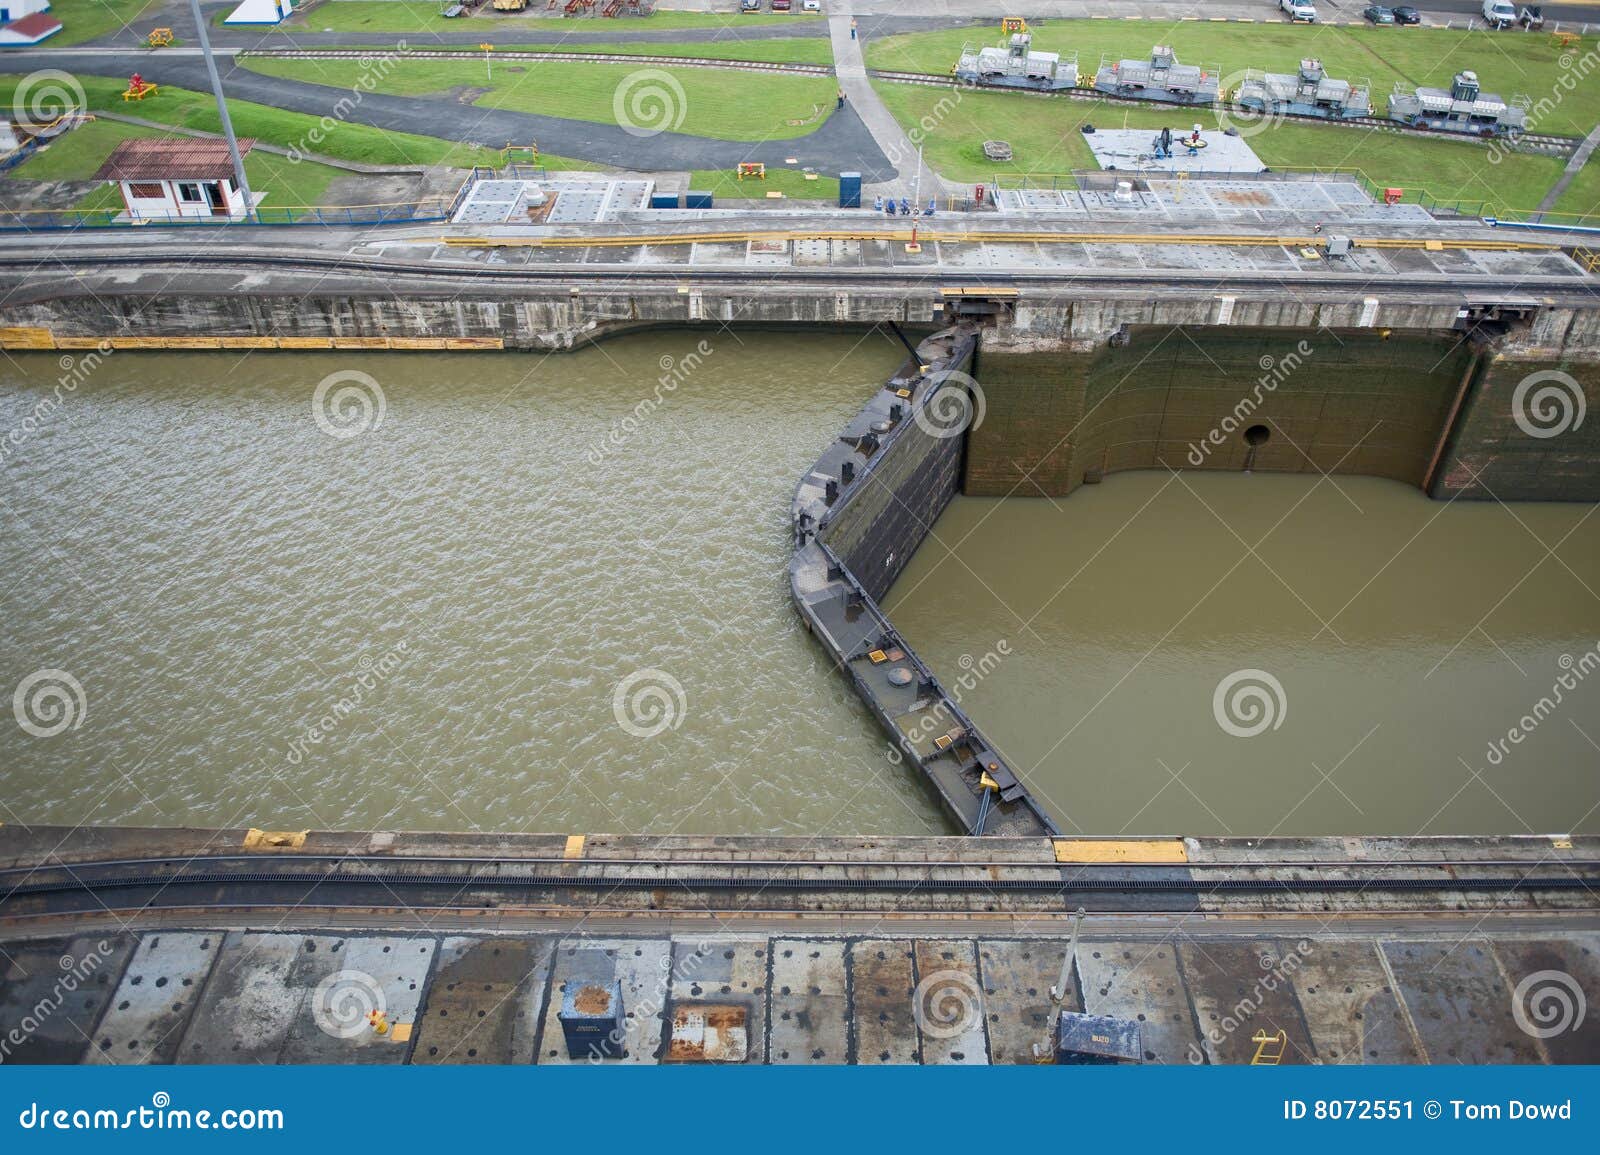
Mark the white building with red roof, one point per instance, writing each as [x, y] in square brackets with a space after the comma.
[179, 177]
[24, 22]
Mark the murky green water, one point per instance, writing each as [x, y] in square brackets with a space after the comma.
[219, 574]
[1406, 636]
[425, 625]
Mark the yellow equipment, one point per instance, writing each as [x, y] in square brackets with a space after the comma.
[1011, 24]
[510, 5]
[141, 91]
[753, 169]
[160, 37]
[1269, 1048]
[521, 152]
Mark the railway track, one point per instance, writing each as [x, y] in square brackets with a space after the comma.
[1549, 142]
[534, 54]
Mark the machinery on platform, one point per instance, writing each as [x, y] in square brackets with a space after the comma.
[1308, 92]
[1160, 77]
[1465, 108]
[1014, 64]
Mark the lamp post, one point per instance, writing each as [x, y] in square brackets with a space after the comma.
[222, 109]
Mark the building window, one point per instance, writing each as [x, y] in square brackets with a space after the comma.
[147, 192]
[189, 193]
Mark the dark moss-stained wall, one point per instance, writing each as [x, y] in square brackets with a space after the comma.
[1527, 431]
[1354, 402]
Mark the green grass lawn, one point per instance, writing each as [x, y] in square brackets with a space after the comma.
[356, 142]
[1507, 63]
[87, 19]
[720, 103]
[724, 184]
[1582, 197]
[1045, 139]
[81, 152]
[412, 16]
[788, 50]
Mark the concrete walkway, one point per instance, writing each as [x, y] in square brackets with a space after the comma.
[851, 68]
[1576, 163]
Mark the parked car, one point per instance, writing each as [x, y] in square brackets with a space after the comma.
[1405, 14]
[749, 5]
[1298, 11]
[780, 5]
[1531, 17]
[1498, 14]
[811, 5]
[1378, 14]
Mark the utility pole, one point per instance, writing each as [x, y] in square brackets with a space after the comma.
[222, 109]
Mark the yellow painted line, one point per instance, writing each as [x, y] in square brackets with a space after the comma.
[1121, 850]
[400, 1033]
[574, 846]
[26, 337]
[274, 839]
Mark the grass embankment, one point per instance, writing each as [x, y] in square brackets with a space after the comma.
[83, 20]
[1582, 197]
[388, 16]
[1045, 138]
[78, 154]
[716, 103]
[1506, 62]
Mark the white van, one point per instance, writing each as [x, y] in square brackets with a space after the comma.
[1498, 14]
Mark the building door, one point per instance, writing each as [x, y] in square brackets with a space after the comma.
[219, 202]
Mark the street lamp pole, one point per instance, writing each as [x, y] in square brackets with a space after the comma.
[222, 108]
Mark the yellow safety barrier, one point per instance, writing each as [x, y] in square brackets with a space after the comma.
[24, 339]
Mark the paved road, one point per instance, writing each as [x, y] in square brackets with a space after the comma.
[841, 144]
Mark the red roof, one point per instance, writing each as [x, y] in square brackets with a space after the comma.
[36, 26]
[175, 159]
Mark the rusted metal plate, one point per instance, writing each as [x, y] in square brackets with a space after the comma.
[881, 986]
[53, 991]
[1239, 989]
[709, 1033]
[1140, 980]
[1459, 1001]
[948, 1003]
[1017, 977]
[156, 999]
[1555, 991]
[730, 970]
[483, 1001]
[809, 1009]
[643, 966]
[1350, 1009]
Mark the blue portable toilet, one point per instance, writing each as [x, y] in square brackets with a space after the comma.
[663, 200]
[697, 200]
[849, 190]
[592, 1019]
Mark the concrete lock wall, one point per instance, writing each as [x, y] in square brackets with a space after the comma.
[1528, 430]
[1295, 400]
[908, 486]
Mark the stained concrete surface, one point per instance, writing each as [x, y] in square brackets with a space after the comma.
[238, 996]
